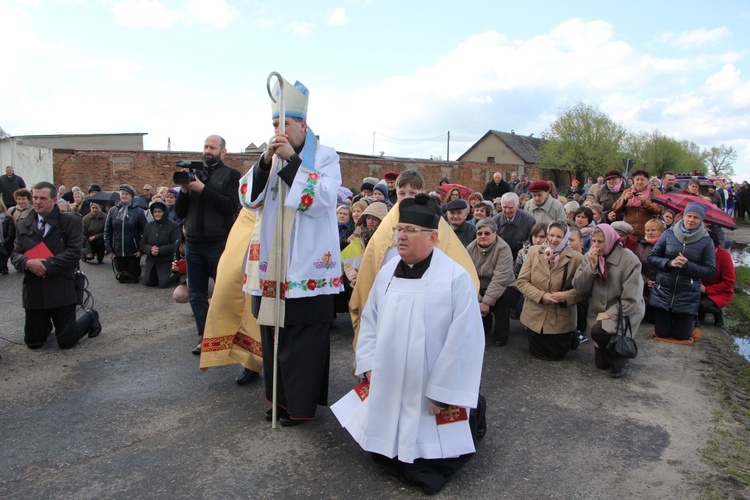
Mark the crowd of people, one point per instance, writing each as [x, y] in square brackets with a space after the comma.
[568, 267]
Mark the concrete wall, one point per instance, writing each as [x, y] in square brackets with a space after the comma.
[33, 164]
[112, 168]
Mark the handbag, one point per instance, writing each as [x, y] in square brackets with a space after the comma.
[621, 344]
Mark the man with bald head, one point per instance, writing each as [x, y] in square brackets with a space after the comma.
[207, 205]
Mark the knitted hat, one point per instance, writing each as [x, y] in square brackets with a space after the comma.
[127, 188]
[420, 211]
[444, 180]
[382, 188]
[367, 185]
[574, 182]
[172, 191]
[95, 187]
[458, 204]
[539, 186]
[696, 208]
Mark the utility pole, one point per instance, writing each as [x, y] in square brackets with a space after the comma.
[448, 151]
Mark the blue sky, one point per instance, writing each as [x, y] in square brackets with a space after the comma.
[403, 73]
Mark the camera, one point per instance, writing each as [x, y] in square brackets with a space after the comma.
[195, 170]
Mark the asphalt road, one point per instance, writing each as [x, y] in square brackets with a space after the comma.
[129, 415]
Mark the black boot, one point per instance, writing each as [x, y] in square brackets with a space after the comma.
[719, 318]
[95, 328]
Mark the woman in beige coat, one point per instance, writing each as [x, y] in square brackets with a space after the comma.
[546, 282]
[612, 275]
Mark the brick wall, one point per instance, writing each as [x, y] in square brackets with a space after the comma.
[112, 168]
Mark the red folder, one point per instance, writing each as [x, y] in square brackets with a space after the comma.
[41, 251]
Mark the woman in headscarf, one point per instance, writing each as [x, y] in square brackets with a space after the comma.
[344, 220]
[122, 236]
[546, 282]
[637, 206]
[157, 244]
[684, 255]
[611, 275]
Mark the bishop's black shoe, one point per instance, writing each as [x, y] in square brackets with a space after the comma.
[246, 377]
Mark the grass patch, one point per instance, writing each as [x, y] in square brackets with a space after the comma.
[738, 310]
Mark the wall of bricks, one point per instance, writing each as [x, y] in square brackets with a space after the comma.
[112, 168]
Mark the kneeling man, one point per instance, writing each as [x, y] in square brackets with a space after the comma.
[420, 350]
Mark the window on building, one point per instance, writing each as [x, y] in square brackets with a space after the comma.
[490, 159]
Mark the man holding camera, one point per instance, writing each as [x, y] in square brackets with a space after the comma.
[208, 202]
[48, 247]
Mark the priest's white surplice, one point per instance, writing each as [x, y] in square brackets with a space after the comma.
[422, 339]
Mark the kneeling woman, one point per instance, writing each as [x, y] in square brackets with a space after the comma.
[611, 274]
[684, 255]
[545, 280]
[157, 244]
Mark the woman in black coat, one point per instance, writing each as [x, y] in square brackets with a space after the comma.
[684, 255]
[157, 244]
[122, 234]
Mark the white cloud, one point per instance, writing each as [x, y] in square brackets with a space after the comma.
[145, 13]
[216, 13]
[300, 28]
[694, 39]
[337, 17]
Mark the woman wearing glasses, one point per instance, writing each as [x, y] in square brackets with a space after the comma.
[494, 262]
[546, 282]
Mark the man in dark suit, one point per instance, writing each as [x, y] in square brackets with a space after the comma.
[48, 247]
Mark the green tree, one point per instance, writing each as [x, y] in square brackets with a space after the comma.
[3, 134]
[584, 140]
[658, 153]
[720, 160]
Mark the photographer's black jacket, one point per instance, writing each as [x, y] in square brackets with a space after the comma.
[209, 215]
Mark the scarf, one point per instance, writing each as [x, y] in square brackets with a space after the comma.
[267, 312]
[553, 254]
[636, 201]
[688, 236]
[611, 239]
[122, 214]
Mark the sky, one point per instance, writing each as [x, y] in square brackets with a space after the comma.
[384, 75]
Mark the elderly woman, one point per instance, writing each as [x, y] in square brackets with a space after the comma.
[546, 282]
[170, 197]
[684, 255]
[122, 236]
[636, 205]
[23, 206]
[611, 275]
[7, 237]
[654, 230]
[482, 210]
[717, 292]
[157, 244]
[493, 260]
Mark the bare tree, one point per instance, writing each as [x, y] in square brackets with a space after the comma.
[721, 160]
[3, 133]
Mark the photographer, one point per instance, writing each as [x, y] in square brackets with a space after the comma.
[208, 202]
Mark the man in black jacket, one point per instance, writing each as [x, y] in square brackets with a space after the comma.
[208, 205]
[496, 187]
[9, 184]
[48, 247]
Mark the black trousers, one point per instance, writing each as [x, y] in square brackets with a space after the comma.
[304, 360]
[68, 330]
[675, 325]
[549, 346]
[602, 358]
[501, 311]
[97, 248]
[130, 264]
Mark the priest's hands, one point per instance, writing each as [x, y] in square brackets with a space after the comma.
[433, 408]
[278, 145]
